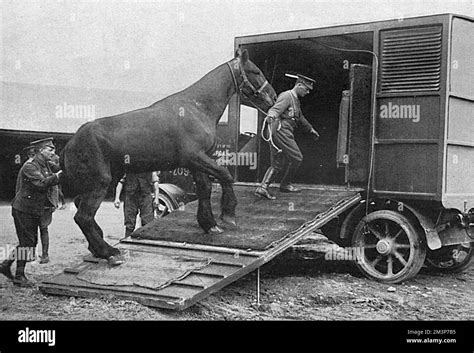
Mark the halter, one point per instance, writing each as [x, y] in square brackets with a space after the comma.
[245, 81]
[256, 92]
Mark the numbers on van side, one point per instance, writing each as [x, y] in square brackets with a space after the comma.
[181, 172]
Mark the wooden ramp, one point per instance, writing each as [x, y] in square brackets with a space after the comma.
[172, 264]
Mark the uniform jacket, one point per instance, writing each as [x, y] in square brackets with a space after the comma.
[36, 188]
[288, 110]
[139, 182]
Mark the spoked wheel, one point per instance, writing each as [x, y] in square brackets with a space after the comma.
[389, 248]
[165, 206]
[451, 259]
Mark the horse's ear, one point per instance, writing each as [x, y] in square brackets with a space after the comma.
[245, 56]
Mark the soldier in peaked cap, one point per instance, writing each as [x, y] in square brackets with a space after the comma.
[283, 118]
[34, 197]
[30, 152]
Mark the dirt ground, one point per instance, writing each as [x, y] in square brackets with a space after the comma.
[297, 285]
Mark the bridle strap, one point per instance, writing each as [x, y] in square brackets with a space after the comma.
[245, 80]
[238, 89]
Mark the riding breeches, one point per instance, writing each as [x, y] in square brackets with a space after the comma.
[284, 139]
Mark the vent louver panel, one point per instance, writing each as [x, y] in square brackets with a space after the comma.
[411, 60]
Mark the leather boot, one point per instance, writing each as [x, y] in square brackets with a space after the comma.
[20, 278]
[288, 173]
[262, 190]
[5, 268]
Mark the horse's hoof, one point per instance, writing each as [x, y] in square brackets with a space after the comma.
[229, 222]
[215, 230]
[115, 260]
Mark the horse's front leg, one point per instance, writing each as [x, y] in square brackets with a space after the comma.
[228, 201]
[205, 216]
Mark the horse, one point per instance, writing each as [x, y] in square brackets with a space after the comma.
[177, 131]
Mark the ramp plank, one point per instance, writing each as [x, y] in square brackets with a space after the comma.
[264, 233]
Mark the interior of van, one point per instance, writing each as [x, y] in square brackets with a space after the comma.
[340, 156]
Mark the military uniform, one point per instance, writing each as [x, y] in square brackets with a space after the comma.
[138, 198]
[34, 199]
[283, 117]
[287, 115]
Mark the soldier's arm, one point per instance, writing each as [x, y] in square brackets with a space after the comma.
[54, 164]
[282, 104]
[118, 191]
[32, 172]
[307, 127]
[156, 185]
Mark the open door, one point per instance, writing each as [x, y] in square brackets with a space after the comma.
[227, 136]
[353, 150]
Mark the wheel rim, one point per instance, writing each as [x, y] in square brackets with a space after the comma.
[386, 249]
[164, 208]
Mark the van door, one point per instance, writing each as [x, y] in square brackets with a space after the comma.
[227, 136]
[358, 134]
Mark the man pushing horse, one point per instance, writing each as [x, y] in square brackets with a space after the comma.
[286, 157]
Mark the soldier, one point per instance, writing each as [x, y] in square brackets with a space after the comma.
[283, 117]
[139, 189]
[32, 200]
[56, 196]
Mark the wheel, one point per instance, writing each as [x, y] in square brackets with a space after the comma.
[165, 207]
[389, 247]
[451, 259]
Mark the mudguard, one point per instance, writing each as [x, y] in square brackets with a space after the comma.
[174, 193]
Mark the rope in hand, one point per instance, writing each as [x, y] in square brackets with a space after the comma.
[267, 122]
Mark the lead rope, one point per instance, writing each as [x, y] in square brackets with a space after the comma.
[268, 123]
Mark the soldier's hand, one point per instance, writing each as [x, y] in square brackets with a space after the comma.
[315, 135]
[156, 203]
[117, 203]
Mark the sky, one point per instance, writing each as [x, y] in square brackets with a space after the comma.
[162, 46]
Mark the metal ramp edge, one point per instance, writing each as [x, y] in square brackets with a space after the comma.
[227, 266]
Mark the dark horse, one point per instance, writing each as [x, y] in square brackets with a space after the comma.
[177, 131]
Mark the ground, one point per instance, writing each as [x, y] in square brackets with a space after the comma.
[297, 285]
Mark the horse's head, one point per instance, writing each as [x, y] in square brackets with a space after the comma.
[251, 82]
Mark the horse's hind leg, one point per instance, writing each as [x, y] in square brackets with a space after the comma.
[88, 205]
[77, 201]
[207, 165]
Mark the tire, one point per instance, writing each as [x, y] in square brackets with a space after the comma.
[389, 247]
[451, 259]
[166, 206]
